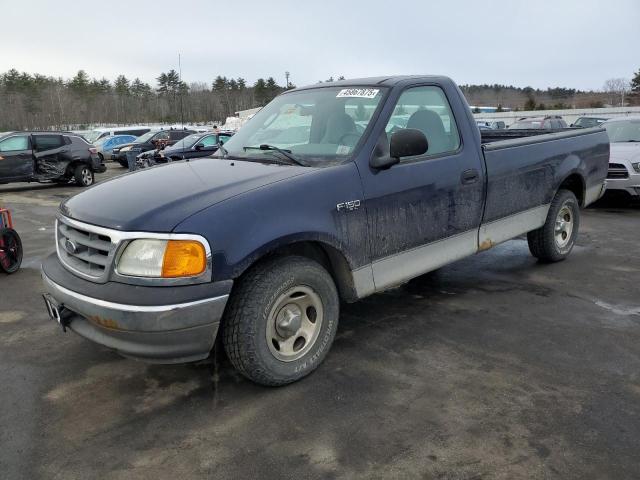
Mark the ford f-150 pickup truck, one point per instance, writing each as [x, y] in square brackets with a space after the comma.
[331, 192]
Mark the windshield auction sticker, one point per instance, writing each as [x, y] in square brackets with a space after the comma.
[358, 92]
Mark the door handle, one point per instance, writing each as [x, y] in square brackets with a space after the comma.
[469, 176]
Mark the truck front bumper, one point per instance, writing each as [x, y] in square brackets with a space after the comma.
[156, 332]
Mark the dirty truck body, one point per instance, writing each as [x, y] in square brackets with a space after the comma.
[395, 181]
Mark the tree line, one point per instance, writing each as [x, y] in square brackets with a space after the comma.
[36, 101]
[615, 92]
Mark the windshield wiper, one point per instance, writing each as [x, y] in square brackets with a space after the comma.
[286, 153]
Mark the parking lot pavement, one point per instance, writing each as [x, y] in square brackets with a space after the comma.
[493, 367]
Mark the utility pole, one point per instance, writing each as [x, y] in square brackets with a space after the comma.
[286, 75]
[181, 92]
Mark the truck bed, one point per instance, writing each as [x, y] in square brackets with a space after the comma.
[524, 167]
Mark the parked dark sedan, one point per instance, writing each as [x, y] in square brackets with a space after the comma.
[587, 122]
[149, 141]
[196, 145]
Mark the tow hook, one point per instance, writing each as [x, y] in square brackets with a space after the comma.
[57, 311]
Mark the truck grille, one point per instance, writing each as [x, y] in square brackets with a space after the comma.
[83, 251]
[617, 170]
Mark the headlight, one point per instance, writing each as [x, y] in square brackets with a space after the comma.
[636, 166]
[125, 149]
[163, 258]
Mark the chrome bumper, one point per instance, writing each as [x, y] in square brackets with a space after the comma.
[630, 185]
[160, 333]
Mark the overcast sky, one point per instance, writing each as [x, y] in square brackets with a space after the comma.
[570, 43]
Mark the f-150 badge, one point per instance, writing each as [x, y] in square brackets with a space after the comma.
[348, 206]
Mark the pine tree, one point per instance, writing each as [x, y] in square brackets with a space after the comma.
[163, 84]
[80, 83]
[635, 82]
[260, 92]
[121, 85]
[219, 84]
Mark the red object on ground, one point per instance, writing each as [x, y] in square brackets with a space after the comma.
[5, 218]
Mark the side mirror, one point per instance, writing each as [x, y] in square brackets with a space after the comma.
[404, 143]
[199, 146]
[408, 142]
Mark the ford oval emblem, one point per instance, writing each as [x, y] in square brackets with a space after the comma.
[70, 247]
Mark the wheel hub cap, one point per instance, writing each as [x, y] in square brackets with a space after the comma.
[564, 226]
[294, 323]
[289, 320]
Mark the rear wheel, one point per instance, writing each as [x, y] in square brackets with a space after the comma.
[10, 250]
[83, 175]
[555, 239]
[281, 320]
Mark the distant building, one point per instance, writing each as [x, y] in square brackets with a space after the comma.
[247, 114]
[234, 123]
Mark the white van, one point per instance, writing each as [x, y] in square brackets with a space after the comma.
[97, 133]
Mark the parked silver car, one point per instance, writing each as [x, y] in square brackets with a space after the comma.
[624, 161]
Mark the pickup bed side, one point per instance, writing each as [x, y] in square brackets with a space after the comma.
[524, 174]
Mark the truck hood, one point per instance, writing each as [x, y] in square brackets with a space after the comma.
[625, 151]
[157, 199]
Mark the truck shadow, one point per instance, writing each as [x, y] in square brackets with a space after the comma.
[616, 203]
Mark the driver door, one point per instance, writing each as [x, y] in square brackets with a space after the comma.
[425, 211]
[16, 158]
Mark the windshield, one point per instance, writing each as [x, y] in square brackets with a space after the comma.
[187, 142]
[623, 130]
[588, 122]
[145, 137]
[93, 135]
[320, 126]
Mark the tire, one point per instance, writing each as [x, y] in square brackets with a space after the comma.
[123, 163]
[555, 239]
[83, 176]
[101, 157]
[281, 320]
[10, 250]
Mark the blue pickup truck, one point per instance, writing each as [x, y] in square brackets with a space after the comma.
[330, 193]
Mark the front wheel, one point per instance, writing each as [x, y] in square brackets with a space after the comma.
[281, 320]
[83, 175]
[555, 239]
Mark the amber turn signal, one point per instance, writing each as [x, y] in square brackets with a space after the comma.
[183, 258]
